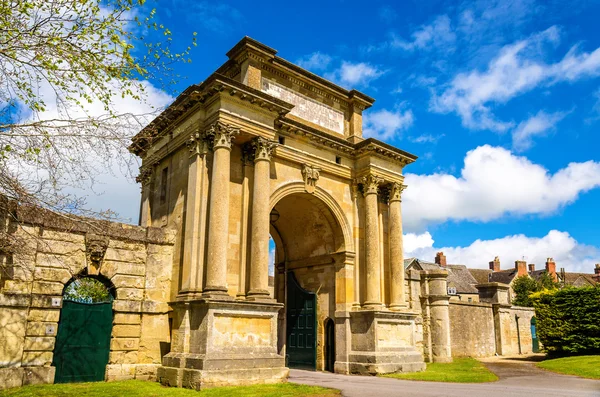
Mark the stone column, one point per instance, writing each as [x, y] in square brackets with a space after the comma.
[397, 299]
[218, 218]
[259, 254]
[195, 218]
[144, 178]
[440, 316]
[373, 269]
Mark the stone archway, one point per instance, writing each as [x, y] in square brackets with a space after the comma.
[310, 241]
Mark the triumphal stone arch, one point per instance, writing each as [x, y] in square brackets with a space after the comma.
[265, 148]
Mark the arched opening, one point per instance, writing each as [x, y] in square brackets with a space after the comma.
[307, 236]
[329, 344]
[83, 340]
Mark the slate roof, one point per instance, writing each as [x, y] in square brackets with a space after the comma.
[481, 275]
[503, 276]
[460, 278]
[578, 279]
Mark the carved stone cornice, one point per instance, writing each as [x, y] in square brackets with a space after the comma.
[262, 149]
[395, 191]
[310, 174]
[370, 184]
[221, 135]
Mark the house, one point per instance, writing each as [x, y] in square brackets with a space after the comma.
[461, 284]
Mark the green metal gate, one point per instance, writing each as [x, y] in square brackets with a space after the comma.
[534, 339]
[301, 323]
[83, 342]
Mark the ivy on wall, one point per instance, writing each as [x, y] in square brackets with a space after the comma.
[568, 320]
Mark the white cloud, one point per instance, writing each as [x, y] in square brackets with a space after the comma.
[385, 125]
[315, 61]
[427, 138]
[437, 34]
[494, 183]
[517, 69]
[565, 250]
[355, 74]
[537, 125]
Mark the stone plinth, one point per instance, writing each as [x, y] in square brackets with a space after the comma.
[382, 342]
[219, 342]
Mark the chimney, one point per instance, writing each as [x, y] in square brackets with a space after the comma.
[521, 268]
[596, 275]
[440, 259]
[551, 268]
[531, 267]
[495, 264]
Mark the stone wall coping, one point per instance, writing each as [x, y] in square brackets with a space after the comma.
[522, 308]
[476, 304]
[68, 223]
[500, 286]
[435, 273]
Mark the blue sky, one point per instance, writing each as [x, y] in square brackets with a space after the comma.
[499, 99]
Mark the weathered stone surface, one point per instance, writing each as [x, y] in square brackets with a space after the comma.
[12, 334]
[37, 358]
[39, 328]
[74, 263]
[123, 357]
[39, 343]
[45, 301]
[134, 294]
[47, 315]
[124, 344]
[47, 288]
[127, 306]
[127, 318]
[38, 375]
[126, 331]
[17, 287]
[122, 255]
[11, 377]
[125, 281]
[52, 274]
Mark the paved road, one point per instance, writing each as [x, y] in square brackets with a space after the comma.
[517, 379]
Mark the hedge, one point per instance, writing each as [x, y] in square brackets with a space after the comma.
[568, 320]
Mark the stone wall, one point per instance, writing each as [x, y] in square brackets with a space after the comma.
[48, 251]
[472, 329]
[484, 329]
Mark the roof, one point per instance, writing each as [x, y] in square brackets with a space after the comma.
[578, 279]
[481, 275]
[460, 278]
[503, 276]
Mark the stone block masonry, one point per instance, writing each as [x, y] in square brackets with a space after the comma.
[53, 250]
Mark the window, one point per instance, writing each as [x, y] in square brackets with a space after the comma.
[451, 290]
[338, 159]
[470, 300]
[163, 185]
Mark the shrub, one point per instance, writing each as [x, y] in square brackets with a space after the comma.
[568, 320]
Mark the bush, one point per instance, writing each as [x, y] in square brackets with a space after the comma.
[568, 320]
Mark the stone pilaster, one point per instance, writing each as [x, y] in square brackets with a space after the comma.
[259, 255]
[145, 178]
[218, 218]
[438, 303]
[373, 266]
[397, 294]
[195, 220]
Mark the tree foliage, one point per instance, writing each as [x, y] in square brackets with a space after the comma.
[568, 320]
[524, 286]
[63, 66]
[87, 290]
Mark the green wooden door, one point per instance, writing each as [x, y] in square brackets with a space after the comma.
[301, 349]
[534, 339]
[83, 342]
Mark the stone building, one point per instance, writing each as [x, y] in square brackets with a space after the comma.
[261, 148]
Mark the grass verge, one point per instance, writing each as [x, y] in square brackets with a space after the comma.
[583, 366]
[136, 388]
[461, 370]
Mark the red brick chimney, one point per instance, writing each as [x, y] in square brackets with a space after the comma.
[531, 267]
[495, 264]
[596, 275]
[521, 268]
[551, 268]
[440, 259]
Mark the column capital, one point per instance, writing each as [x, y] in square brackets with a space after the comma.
[395, 191]
[198, 144]
[144, 177]
[370, 184]
[262, 148]
[222, 135]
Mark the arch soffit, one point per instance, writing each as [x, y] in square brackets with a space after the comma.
[299, 187]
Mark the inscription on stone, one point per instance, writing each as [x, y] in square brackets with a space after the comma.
[306, 108]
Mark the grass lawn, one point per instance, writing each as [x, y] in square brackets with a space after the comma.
[584, 366]
[461, 370]
[136, 388]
